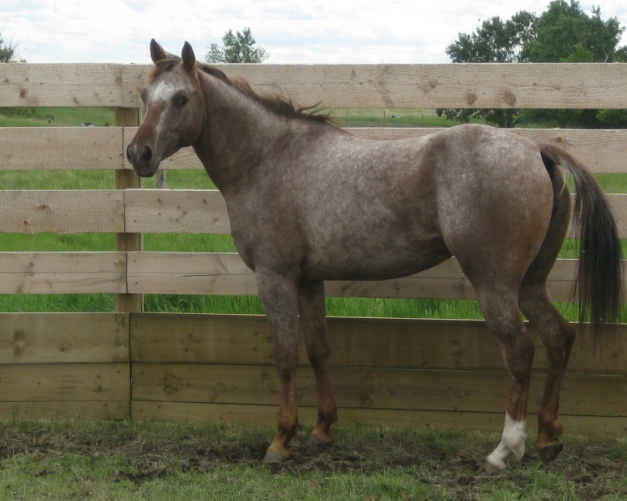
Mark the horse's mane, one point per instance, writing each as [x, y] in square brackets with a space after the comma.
[277, 102]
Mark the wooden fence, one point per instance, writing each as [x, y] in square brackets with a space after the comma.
[216, 367]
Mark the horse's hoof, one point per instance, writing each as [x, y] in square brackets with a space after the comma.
[275, 457]
[319, 438]
[487, 468]
[550, 452]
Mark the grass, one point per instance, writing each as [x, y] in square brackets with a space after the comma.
[389, 118]
[56, 117]
[133, 460]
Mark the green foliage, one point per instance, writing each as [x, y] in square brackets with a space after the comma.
[237, 48]
[563, 33]
[8, 52]
[496, 41]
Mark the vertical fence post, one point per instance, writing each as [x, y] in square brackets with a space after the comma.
[126, 178]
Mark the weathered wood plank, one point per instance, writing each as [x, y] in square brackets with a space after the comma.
[62, 148]
[601, 151]
[266, 416]
[63, 338]
[62, 85]
[16, 411]
[226, 274]
[214, 273]
[176, 211]
[62, 272]
[371, 388]
[140, 211]
[64, 382]
[204, 211]
[61, 211]
[429, 85]
[128, 240]
[355, 342]
[344, 86]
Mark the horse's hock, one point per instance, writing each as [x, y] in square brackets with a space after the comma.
[213, 368]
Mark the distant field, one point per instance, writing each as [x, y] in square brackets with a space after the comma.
[389, 118]
[56, 117]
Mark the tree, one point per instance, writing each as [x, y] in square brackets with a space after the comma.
[495, 41]
[563, 33]
[8, 52]
[238, 48]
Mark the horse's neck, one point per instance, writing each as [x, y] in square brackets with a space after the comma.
[236, 135]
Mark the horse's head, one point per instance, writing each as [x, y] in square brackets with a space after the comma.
[175, 110]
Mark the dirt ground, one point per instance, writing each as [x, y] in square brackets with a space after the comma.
[447, 460]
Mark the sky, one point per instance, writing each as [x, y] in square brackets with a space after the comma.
[291, 31]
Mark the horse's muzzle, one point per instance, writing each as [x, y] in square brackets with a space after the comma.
[142, 161]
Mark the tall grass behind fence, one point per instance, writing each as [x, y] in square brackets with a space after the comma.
[213, 367]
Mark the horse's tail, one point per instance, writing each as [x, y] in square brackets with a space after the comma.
[599, 281]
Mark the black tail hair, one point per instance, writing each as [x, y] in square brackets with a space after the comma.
[599, 281]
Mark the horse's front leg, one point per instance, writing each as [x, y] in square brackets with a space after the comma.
[311, 307]
[279, 297]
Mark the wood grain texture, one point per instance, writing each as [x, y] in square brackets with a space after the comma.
[61, 211]
[355, 342]
[429, 85]
[62, 85]
[601, 151]
[61, 148]
[64, 382]
[226, 274]
[176, 211]
[265, 416]
[368, 388]
[344, 86]
[142, 211]
[64, 338]
[63, 409]
[62, 272]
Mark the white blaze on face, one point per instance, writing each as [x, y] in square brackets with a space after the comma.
[512, 442]
[163, 93]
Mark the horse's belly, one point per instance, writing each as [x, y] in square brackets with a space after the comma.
[362, 263]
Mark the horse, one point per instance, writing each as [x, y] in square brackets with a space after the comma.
[309, 202]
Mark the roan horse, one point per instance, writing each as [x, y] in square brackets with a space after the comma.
[310, 202]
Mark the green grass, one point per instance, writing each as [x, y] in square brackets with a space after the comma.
[56, 117]
[134, 460]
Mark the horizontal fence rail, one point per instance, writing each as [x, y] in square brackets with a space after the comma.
[142, 211]
[215, 368]
[562, 85]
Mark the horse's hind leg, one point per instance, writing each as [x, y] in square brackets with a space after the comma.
[500, 308]
[313, 319]
[558, 336]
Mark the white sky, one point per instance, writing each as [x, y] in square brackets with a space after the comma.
[292, 31]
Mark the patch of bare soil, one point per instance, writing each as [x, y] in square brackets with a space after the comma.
[451, 461]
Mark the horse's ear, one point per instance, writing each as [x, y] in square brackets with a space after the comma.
[156, 51]
[189, 58]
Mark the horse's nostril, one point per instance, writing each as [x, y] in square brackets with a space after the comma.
[129, 157]
[147, 154]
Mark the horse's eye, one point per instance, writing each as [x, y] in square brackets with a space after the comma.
[180, 101]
